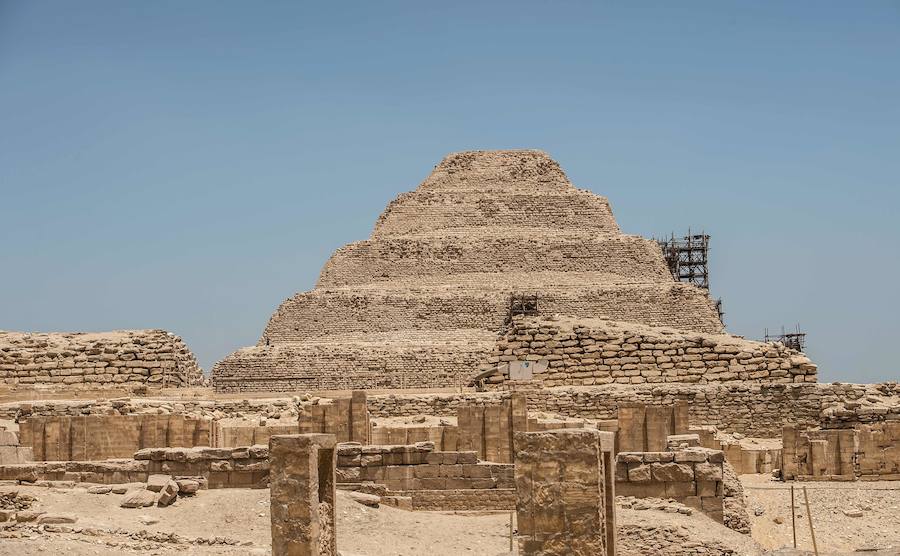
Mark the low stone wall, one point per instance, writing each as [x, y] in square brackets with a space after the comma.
[463, 499]
[444, 437]
[246, 467]
[273, 408]
[233, 435]
[598, 351]
[754, 409]
[419, 467]
[124, 358]
[11, 451]
[346, 418]
[99, 437]
[868, 452]
[693, 477]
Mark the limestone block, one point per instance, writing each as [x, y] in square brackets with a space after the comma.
[138, 498]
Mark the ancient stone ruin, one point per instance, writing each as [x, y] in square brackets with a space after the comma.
[571, 397]
[420, 303]
[120, 359]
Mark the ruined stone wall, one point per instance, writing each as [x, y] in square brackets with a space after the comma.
[869, 452]
[244, 467]
[749, 408]
[231, 435]
[299, 367]
[444, 437]
[598, 351]
[467, 500]
[419, 467]
[693, 477]
[126, 358]
[346, 418]
[98, 437]
[272, 408]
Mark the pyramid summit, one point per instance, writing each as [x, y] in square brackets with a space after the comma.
[420, 303]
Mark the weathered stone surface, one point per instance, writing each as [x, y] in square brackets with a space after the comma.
[302, 494]
[420, 301]
[100, 489]
[156, 482]
[187, 486]
[167, 494]
[370, 500]
[672, 472]
[138, 498]
[560, 484]
[103, 360]
[55, 519]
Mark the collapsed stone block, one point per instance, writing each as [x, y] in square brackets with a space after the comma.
[301, 479]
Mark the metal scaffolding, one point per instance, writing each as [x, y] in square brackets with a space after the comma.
[794, 340]
[688, 261]
[687, 258]
[520, 304]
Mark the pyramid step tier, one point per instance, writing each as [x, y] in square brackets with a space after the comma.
[422, 212]
[352, 364]
[625, 259]
[324, 314]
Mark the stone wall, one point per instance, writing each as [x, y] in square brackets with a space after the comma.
[868, 452]
[233, 435]
[599, 351]
[643, 428]
[124, 358]
[489, 429]
[10, 449]
[419, 467]
[244, 467]
[467, 500]
[98, 437]
[346, 418]
[300, 367]
[754, 409]
[272, 408]
[444, 437]
[692, 476]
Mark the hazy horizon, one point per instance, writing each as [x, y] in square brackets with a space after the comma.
[188, 166]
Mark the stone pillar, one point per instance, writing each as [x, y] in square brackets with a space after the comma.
[359, 417]
[301, 484]
[608, 453]
[560, 492]
[632, 434]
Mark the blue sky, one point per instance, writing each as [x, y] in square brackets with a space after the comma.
[188, 165]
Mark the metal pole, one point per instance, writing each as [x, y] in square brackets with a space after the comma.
[812, 532]
[793, 517]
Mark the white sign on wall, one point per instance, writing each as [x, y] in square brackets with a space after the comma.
[524, 370]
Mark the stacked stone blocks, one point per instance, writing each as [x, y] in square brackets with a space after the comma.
[588, 352]
[120, 359]
[692, 476]
[560, 487]
[303, 495]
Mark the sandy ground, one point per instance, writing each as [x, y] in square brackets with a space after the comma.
[836, 532]
[240, 518]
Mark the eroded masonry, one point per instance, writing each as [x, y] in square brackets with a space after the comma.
[567, 377]
[421, 302]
